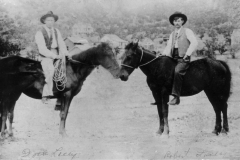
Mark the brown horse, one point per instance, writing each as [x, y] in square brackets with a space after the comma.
[31, 81]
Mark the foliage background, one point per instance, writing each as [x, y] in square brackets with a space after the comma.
[19, 19]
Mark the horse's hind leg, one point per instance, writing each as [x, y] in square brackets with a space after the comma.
[64, 112]
[215, 100]
[225, 118]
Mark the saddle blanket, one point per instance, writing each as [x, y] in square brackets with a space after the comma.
[81, 48]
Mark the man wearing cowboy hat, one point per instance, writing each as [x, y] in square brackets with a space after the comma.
[50, 46]
[181, 44]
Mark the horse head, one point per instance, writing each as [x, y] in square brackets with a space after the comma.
[130, 60]
[107, 58]
[103, 55]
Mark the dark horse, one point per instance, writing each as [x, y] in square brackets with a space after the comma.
[212, 76]
[30, 80]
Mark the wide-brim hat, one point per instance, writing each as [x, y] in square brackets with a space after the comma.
[178, 14]
[49, 14]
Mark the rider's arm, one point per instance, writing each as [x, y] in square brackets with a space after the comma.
[42, 48]
[62, 45]
[193, 42]
[167, 50]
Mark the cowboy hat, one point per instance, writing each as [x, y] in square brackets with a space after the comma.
[178, 14]
[49, 14]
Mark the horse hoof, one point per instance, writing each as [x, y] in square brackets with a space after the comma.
[215, 132]
[156, 134]
[10, 134]
[6, 132]
[159, 132]
[2, 137]
[164, 136]
[64, 135]
[224, 132]
[11, 138]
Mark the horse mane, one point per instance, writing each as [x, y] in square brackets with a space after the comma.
[91, 52]
[149, 52]
[129, 45]
[15, 63]
[103, 45]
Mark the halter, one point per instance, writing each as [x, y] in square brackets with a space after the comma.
[140, 61]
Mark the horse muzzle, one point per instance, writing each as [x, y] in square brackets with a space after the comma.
[123, 75]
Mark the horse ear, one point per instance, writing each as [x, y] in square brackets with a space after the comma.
[135, 41]
[135, 45]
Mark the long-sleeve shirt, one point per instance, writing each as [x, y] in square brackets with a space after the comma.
[190, 36]
[42, 48]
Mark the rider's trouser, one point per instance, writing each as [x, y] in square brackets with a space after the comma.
[48, 70]
[180, 71]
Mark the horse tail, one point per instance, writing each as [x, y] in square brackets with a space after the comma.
[227, 87]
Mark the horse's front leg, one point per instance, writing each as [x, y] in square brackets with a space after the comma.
[4, 119]
[158, 99]
[67, 98]
[10, 118]
[165, 99]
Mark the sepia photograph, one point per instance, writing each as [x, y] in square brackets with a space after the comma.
[119, 79]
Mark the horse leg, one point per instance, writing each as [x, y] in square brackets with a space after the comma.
[158, 99]
[58, 104]
[165, 99]
[4, 119]
[10, 118]
[64, 112]
[216, 103]
[11, 105]
[225, 118]
[160, 114]
[1, 123]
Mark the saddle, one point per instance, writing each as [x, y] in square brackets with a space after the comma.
[79, 48]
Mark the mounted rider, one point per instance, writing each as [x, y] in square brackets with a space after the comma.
[51, 47]
[182, 43]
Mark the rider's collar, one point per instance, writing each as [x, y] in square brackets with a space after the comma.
[178, 30]
[48, 29]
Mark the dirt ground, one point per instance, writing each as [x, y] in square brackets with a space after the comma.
[111, 119]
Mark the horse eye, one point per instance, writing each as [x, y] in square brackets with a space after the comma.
[129, 55]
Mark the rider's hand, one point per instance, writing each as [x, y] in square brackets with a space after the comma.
[69, 56]
[58, 57]
[186, 58]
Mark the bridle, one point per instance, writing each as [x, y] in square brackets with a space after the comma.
[140, 65]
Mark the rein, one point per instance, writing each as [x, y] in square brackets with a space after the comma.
[140, 61]
[60, 77]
